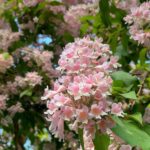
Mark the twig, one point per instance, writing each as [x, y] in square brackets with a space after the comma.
[142, 84]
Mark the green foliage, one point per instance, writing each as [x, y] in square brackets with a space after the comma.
[101, 141]
[130, 95]
[124, 85]
[104, 12]
[131, 133]
[80, 133]
[125, 77]
[137, 117]
[143, 56]
[27, 92]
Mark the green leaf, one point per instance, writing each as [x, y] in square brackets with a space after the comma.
[137, 117]
[114, 42]
[124, 40]
[27, 92]
[101, 141]
[143, 56]
[118, 83]
[125, 77]
[130, 95]
[146, 128]
[104, 12]
[131, 133]
[10, 18]
[80, 132]
[121, 51]
[119, 87]
[84, 28]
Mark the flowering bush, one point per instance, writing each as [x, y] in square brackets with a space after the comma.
[61, 87]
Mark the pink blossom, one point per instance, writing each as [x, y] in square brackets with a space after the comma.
[138, 19]
[41, 58]
[51, 108]
[3, 99]
[33, 79]
[96, 110]
[86, 89]
[31, 3]
[117, 109]
[88, 141]
[7, 38]
[74, 89]
[82, 114]
[57, 9]
[127, 5]
[68, 112]
[15, 109]
[57, 125]
[60, 132]
[20, 81]
[73, 15]
[80, 95]
[11, 87]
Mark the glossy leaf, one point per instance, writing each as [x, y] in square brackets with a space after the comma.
[127, 78]
[131, 133]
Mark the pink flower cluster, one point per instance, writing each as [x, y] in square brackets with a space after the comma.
[57, 9]
[17, 108]
[75, 13]
[127, 5]
[41, 58]
[6, 61]
[7, 37]
[31, 79]
[31, 3]
[80, 95]
[3, 99]
[3, 24]
[139, 20]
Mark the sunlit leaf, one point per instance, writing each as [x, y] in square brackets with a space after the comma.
[131, 134]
